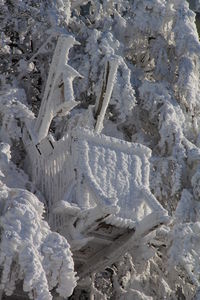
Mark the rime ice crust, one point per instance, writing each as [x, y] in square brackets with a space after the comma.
[29, 251]
[156, 95]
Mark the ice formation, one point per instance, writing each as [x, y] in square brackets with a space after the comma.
[58, 96]
[30, 251]
[154, 101]
[91, 180]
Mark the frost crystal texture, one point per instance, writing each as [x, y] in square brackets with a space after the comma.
[152, 49]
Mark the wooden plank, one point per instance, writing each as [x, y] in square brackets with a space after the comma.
[120, 245]
[107, 255]
[100, 238]
[79, 258]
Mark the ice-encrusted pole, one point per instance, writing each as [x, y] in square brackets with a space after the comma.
[58, 95]
[107, 88]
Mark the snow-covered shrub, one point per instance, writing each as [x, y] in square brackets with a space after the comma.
[27, 41]
[29, 251]
[158, 43]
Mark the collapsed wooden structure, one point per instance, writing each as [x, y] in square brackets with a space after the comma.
[96, 187]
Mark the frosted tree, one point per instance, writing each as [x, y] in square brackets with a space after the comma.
[155, 101]
[29, 251]
[28, 32]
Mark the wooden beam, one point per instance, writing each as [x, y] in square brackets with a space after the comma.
[100, 238]
[107, 255]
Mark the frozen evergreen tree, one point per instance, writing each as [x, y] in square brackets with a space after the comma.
[155, 102]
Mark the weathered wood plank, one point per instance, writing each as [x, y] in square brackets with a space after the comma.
[107, 255]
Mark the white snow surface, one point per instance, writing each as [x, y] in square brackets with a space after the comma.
[29, 250]
[118, 173]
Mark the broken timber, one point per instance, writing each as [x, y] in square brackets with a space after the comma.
[116, 247]
[97, 187]
[58, 96]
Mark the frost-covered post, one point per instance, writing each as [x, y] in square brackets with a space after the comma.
[106, 92]
[58, 97]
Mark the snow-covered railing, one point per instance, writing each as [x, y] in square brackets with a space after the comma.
[49, 166]
[90, 170]
[106, 92]
[113, 173]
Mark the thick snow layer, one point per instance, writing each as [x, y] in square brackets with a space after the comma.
[29, 251]
[13, 112]
[185, 250]
[117, 172]
[154, 101]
